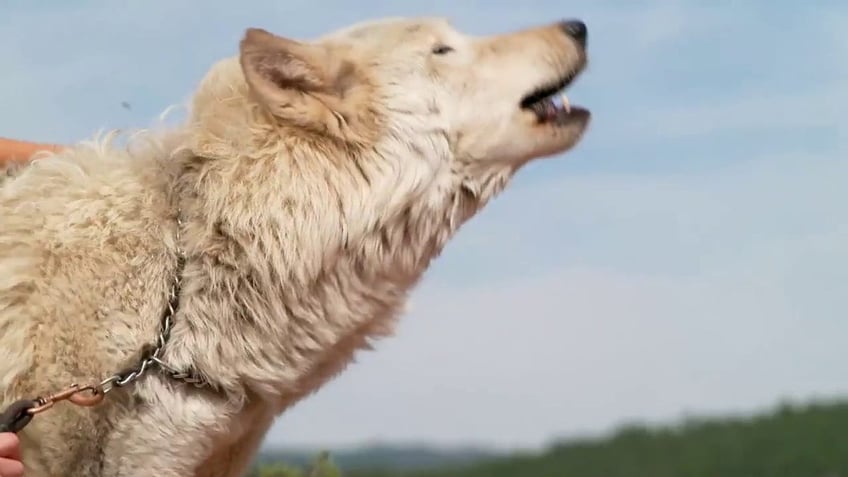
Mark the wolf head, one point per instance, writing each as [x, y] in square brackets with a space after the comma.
[489, 97]
[391, 118]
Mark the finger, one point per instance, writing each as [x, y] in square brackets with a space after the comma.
[10, 446]
[11, 468]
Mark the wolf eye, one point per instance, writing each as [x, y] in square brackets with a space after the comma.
[442, 49]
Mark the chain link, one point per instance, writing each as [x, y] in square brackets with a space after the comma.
[151, 355]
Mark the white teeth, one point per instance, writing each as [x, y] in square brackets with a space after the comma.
[566, 104]
[560, 102]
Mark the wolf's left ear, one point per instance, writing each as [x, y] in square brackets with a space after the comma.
[280, 70]
[309, 85]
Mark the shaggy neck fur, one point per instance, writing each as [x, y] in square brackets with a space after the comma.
[303, 261]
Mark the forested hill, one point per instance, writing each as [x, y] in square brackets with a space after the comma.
[791, 441]
[403, 457]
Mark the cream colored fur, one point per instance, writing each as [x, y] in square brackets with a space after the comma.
[316, 182]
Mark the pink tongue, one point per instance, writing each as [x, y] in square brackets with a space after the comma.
[551, 110]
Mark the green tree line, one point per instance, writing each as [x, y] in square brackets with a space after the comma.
[791, 441]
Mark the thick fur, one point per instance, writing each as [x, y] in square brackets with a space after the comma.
[315, 180]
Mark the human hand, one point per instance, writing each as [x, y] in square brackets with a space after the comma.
[10, 456]
[15, 150]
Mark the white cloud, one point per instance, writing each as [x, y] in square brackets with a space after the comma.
[581, 350]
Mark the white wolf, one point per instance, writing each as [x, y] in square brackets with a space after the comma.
[307, 192]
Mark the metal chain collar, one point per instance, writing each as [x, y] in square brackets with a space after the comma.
[151, 354]
[20, 413]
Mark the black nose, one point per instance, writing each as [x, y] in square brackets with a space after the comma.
[576, 30]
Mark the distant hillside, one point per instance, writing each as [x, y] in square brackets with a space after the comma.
[385, 457]
[806, 441]
[791, 441]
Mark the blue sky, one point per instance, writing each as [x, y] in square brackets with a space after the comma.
[688, 257]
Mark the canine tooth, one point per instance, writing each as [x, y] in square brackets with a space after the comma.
[566, 104]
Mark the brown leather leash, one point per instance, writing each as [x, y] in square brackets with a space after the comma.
[21, 412]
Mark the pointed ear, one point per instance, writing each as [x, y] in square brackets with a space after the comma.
[278, 69]
[309, 85]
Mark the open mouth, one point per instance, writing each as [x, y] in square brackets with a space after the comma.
[550, 104]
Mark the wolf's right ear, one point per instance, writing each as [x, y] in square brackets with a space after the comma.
[279, 70]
